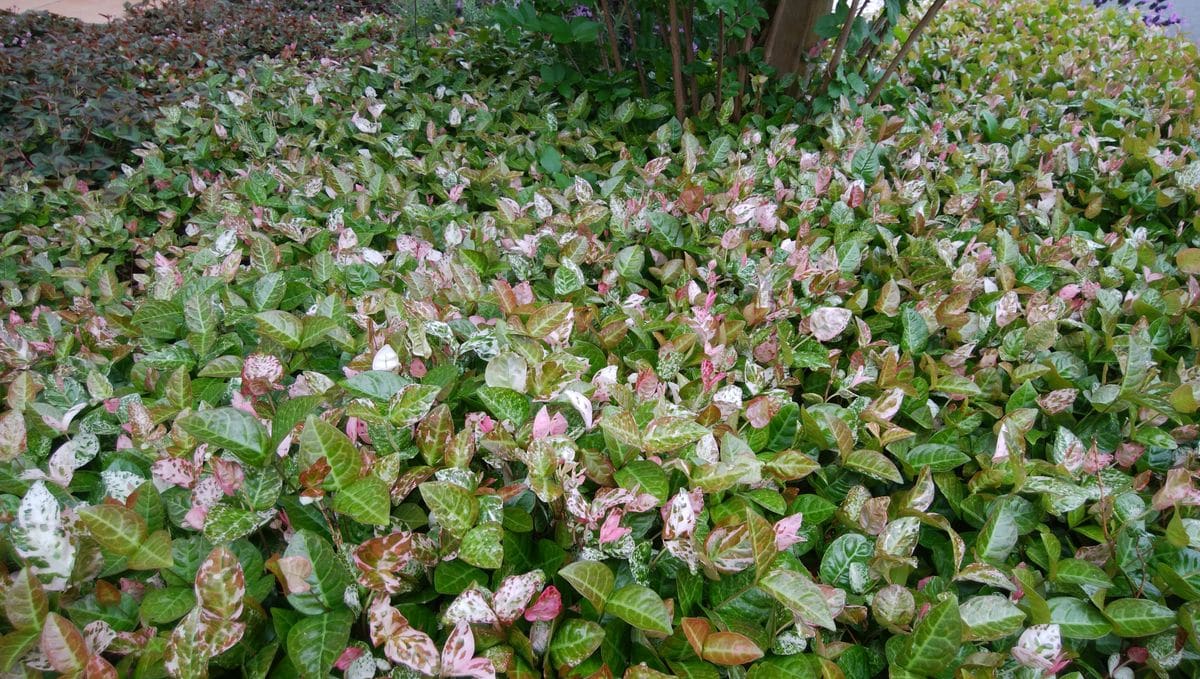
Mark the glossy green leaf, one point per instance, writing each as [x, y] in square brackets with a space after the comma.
[16, 645]
[547, 318]
[323, 440]
[670, 433]
[845, 560]
[234, 430]
[379, 385]
[592, 579]
[25, 601]
[226, 523]
[326, 582]
[315, 642]
[574, 641]
[118, 529]
[367, 500]
[281, 326]
[166, 605]
[644, 476]
[154, 553]
[505, 404]
[411, 404]
[801, 596]
[937, 457]
[452, 506]
[874, 465]
[1138, 617]
[935, 640]
[990, 617]
[641, 607]
[480, 546]
[1079, 572]
[1078, 619]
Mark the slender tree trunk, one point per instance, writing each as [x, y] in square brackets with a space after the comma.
[633, 50]
[612, 35]
[603, 54]
[676, 59]
[868, 50]
[747, 45]
[793, 32]
[690, 56]
[855, 8]
[912, 39]
[720, 59]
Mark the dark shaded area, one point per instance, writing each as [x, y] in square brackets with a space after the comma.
[74, 97]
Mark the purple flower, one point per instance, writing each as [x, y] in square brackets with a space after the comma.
[1154, 12]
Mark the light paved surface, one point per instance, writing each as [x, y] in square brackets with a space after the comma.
[96, 11]
[1189, 11]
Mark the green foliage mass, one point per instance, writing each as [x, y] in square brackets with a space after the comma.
[391, 360]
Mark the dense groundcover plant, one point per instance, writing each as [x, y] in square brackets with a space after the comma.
[76, 97]
[391, 365]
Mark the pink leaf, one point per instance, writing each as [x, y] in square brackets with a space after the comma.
[98, 635]
[381, 560]
[295, 571]
[471, 606]
[261, 374]
[1177, 489]
[196, 516]
[1008, 309]
[284, 446]
[547, 607]
[787, 531]
[758, 411]
[401, 643]
[99, 668]
[482, 421]
[63, 645]
[174, 471]
[241, 403]
[1057, 401]
[829, 322]
[228, 474]
[524, 293]
[612, 530]
[513, 595]
[348, 656]
[480, 668]
[356, 429]
[417, 368]
[458, 656]
[544, 425]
